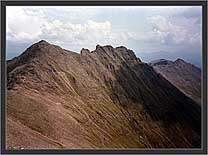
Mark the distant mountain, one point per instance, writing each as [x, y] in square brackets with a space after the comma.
[182, 74]
[193, 57]
[106, 98]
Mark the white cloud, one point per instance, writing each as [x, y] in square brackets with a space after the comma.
[21, 26]
[166, 31]
[30, 25]
[76, 35]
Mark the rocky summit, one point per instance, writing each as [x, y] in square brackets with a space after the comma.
[106, 98]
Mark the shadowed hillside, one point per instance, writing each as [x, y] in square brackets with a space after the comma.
[106, 98]
[183, 75]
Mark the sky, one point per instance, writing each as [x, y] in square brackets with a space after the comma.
[152, 32]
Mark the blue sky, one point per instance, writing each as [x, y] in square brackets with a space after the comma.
[152, 32]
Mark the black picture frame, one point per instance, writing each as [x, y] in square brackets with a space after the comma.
[203, 150]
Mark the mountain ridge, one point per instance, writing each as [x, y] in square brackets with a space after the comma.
[106, 98]
[185, 76]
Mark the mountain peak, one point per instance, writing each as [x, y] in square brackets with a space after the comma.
[108, 47]
[37, 48]
[179, 60]
[43, 42]
[126, 54]
[121, 47]
[98, 46]
[84, 51]
[181, 73]
[160, 62]
[35, 51]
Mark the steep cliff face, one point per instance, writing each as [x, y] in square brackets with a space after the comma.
[182, 74]
[106, 98]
